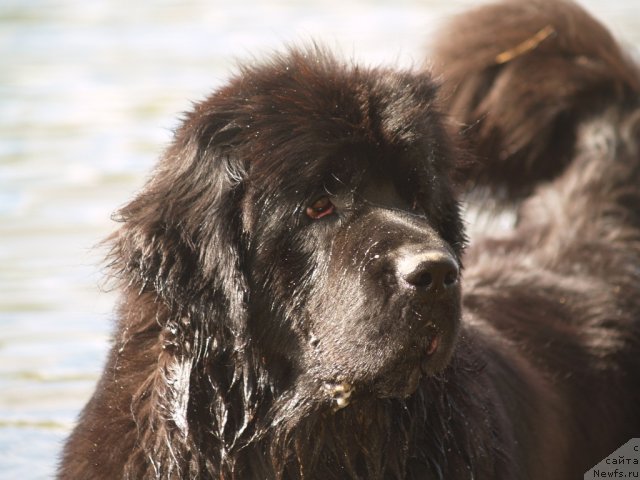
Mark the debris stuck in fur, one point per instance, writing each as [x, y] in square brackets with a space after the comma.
[340, 393]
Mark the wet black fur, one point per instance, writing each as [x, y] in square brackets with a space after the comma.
[230, 291]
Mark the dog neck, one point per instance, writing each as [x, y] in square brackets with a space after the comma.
[222, 414]
[375, 438]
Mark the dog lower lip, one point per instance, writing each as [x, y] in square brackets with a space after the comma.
[429, 352]
[433, 345]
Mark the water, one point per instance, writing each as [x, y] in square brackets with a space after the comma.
[89, 94]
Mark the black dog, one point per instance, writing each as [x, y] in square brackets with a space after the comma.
[296, 251]
[291, 306]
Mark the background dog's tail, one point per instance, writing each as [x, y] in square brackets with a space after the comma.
[518, 77]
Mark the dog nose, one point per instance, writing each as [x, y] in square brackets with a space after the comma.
[433, 271]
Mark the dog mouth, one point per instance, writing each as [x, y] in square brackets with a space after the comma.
[425, 359]
[422, 366]
[433, 345]
[421, 361]
[396, 363]
[400, 381]
[340, 393]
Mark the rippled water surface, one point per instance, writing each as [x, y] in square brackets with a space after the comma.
[89, 94]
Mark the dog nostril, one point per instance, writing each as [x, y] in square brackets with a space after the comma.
[451, 278]
[419, 279]
[432, 270]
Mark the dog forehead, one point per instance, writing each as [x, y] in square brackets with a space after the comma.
[300, 119]
[310, 93]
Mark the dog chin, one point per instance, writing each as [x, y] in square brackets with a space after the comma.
[403, 381]
[400, 381]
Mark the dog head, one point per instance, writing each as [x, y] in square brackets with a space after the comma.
[353, 230]
[307, 206]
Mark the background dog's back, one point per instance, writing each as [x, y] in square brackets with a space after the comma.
[550, 105]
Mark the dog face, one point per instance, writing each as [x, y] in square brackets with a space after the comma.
[352, 233]
[303, 213]
[370, 284]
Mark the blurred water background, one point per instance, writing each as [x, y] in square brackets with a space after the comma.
[89, 94]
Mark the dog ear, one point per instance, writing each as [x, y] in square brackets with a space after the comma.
[179, 255]
[181, 238]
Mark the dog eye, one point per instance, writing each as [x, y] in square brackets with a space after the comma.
[320, 208]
